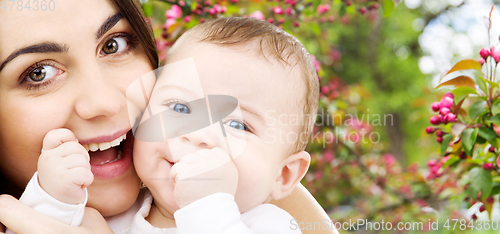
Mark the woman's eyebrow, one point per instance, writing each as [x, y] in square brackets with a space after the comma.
[50, 47]
[46, 47]
[108, 24]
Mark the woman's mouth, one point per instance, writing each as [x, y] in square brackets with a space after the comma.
[100, 154]
[109, 159]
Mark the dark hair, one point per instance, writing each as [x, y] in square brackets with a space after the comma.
[132, 12]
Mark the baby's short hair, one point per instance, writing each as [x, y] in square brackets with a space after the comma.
[282, 46]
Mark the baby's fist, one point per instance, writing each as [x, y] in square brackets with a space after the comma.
[203, 173]
[63, 167]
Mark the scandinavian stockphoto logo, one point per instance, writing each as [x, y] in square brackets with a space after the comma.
[203, 113]
[178, 105]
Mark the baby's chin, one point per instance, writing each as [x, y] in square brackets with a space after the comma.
[164, 200]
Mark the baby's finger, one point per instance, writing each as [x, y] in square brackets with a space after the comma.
[57, 137]
[173, 171]
[69, 148]
[81, 176]
[76, 160]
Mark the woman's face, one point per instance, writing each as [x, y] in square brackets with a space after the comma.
[70, 68]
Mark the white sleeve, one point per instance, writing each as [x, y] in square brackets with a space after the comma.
[35, 197]
[219, 214]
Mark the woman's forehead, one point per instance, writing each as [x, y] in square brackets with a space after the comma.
[67, 21]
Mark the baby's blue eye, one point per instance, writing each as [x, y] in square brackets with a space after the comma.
[181, 108]
[237, 125]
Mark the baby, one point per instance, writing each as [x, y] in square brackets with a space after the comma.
[224, 133]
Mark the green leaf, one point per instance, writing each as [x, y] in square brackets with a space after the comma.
[469, 136]
[481, 180]
[482, 84]
[494, 119]
[315, 29]
[342, 10]
[445, 143]
[388, 6]
[316, 3]
[147, 9]
[451, 161]
[475, 161]
[462, 92]
[476, 109]
[492, 84]
[496, 188]
[494, 108]
[480, 140]
[489, 135]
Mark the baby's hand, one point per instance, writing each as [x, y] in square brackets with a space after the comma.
[64, 167]
[203, 173]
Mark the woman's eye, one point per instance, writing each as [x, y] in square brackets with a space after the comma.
[42, 73]
[114, 45]
[181, 108]
[237, 125]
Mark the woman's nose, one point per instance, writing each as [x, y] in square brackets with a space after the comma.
[99, 95]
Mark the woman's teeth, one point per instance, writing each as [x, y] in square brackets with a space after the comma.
[105, 145]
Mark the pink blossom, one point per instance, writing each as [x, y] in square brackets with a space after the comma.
[488, 166]
[481, 61]
[257, 15]
[169, 22]
[430, 130]
[328, 156]
[318, 175]
[278, 10]
[450, 95]
[323, 8]
[450, 117]
[354, 138]
[389, 160]
[495, 54]
[444, 110]
[325, 89]
[335, 55]
[289, 11]
[218, 8]
[435, 120]
[212, 11]
[431, 163]
[174, 13]
[316, 63]
[444, 160]
[161, 45]
[435, 106]
[484, 53]
[362, 10]
[187, 18]
[446, 102]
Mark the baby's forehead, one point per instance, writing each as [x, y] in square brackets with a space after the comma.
[238, 70]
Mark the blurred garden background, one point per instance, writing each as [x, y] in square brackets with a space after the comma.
[375, 154]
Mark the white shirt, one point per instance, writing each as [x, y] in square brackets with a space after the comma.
[217, 213]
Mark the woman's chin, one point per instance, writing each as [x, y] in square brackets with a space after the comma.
[111, 197]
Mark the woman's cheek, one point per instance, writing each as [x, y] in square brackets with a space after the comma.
[25, 121]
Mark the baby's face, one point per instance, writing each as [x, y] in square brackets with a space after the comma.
[256, 100]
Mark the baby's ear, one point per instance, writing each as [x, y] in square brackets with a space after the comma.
[293, 169]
